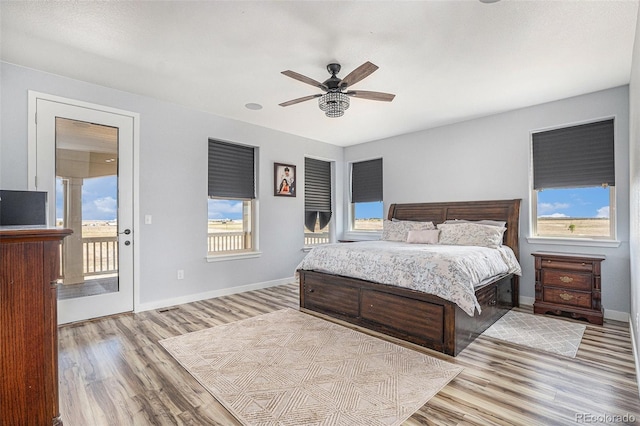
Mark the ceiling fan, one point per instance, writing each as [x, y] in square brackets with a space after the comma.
[336, 99]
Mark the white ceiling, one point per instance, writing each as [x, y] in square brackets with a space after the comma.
[446, 61]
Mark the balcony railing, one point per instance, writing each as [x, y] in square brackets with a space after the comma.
[99, 256]
[315, 238]
[236, 241]
[227, 241]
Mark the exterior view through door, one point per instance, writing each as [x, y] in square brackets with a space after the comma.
[87, 203]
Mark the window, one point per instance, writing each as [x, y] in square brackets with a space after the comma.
[231, 198]
[317, 201]
[574, 182]
[366, 196]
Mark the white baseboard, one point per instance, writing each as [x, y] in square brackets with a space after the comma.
[210, 294]
[527, 301]
[608, 313]
[633, 331]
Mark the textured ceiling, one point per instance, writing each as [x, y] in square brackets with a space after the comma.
[446, 61]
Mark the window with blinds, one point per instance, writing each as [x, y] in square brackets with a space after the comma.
[573, 189]
[317, 201]
[231, 191]
[366, 195]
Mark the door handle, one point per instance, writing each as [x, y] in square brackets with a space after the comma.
[126, 243]
[126, 232]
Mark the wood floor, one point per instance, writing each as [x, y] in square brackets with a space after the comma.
[114, 372]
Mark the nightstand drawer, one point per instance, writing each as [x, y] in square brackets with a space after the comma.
[568, 280]
[567, 265]
[567, 297]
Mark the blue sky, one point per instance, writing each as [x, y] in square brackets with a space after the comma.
[225, 209]
[370, 210]
[575, 202]
[99, 198]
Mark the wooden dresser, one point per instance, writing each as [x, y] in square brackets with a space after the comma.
[569, 284]
[29, 265]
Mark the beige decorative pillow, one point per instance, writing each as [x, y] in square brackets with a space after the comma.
[471, 234]
[398, 230]
[427, 236]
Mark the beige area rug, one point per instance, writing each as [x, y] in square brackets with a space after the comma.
[538, 332]
[291, 368]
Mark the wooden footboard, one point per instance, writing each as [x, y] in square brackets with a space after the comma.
[409, 315]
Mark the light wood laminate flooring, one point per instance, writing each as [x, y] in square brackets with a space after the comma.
[114, 372]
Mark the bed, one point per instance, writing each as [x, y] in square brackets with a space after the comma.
[412, 315]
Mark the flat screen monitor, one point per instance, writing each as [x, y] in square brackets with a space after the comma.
[23, 208]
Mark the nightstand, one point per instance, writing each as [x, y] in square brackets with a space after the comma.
[568, 284]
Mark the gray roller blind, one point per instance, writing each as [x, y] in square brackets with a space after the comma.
[317, 185]
[231, 170]
[317, 192]
[366, 181]
[576, 156]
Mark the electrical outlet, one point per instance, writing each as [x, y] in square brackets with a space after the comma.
[180, 274]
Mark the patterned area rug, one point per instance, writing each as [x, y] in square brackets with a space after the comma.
[538, 332]
[291, 368]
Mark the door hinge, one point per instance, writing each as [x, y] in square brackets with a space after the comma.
[35, 117]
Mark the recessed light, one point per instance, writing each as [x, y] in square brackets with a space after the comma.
[489, 1]
[253, 106]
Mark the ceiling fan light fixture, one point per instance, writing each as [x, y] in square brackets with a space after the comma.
[333, 104]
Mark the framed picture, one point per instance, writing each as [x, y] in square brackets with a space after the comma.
[284, 180]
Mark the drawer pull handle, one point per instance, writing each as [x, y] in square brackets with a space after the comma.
[312, 290]
[566, 279]
[565, 296]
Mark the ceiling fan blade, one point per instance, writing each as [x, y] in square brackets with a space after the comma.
[374, 96]
[358, 74]
[295, 101]
[304, 79]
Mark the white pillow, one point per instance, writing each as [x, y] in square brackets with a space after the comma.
[500, 223]
[398, 230]
[427, 236]
[471, 234]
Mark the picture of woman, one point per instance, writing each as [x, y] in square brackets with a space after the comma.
[284, 187]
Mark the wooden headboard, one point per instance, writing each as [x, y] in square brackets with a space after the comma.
[505, 210]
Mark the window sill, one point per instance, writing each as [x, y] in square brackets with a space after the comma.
[362, 235]
[233, 256]
[584, 242]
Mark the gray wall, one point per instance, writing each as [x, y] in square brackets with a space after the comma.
[634, 190]
[488, 158]
[173, 186]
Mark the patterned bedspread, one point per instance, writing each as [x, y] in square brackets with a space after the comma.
[449, 272]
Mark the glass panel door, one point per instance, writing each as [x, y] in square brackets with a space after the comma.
[85, 163]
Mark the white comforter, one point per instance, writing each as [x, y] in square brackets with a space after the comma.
[449, 272]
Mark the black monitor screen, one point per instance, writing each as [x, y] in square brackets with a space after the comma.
[23, 208]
